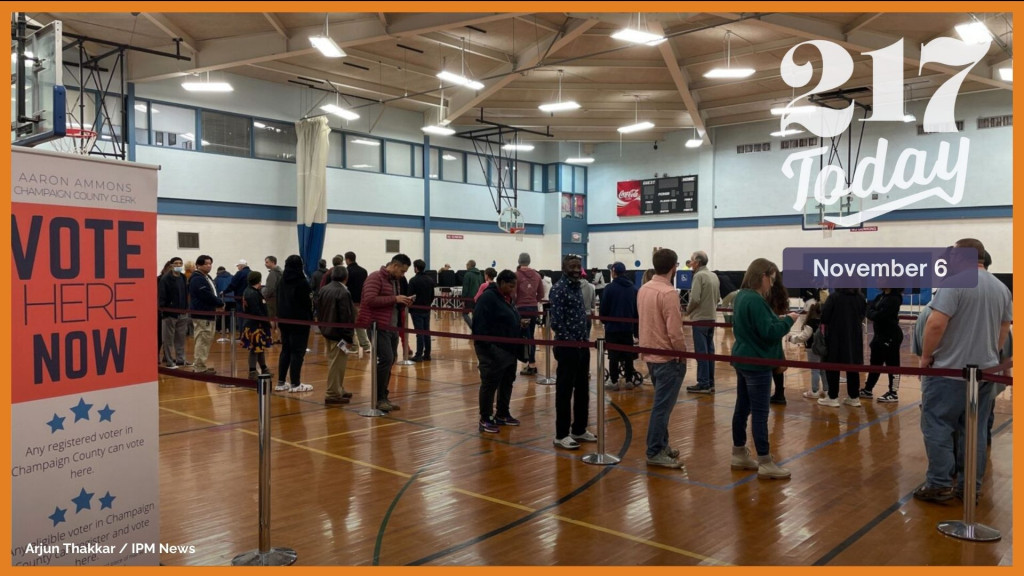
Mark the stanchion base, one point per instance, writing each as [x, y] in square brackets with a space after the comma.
[405, 363]
[275, 557]
[372, 412]
[222, 340]
[600, 459]
[974, 532]
[545, 381]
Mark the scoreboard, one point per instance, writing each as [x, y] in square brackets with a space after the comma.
[675, 195]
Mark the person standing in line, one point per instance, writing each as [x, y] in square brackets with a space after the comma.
[702, 307]
[255, 331]
[967, 326]
[240, 283]
[222, 282]
[495, 315]
[843, 319]
[174, 325]
[758, 331]
[274, 275]
[356, 278]
[203, 301]
[569, 323]
[294, 302]
[334, 304]
[804, 333]
[619, 301]
[884, 313]
[661, 327]
[421, 288]
[471, 282]
[489, 275]
[779, 301]
[381, 299]
[529, 292]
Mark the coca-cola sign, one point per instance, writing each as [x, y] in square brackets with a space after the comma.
[628, 202]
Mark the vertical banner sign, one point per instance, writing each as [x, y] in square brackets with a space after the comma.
[84, 420]
[628, 198]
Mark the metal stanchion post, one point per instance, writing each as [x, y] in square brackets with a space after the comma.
[372, 410]
[968, 529]
[232, 340]
[403, 339]
[600, 457]
[547, 380]
[265, 555]
[221, 318]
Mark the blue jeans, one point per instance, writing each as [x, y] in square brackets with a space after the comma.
[943, 412]
[421, 321]
[704, 343]
[753, 388]
[667, 378]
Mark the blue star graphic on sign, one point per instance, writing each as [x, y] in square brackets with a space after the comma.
[105, 413]
[107, 501]
[83, 501]
[56, 424]
[58, 515]
[81, 410]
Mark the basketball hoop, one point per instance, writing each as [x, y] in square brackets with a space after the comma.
[827, 228]
[76, 141]
[511, 220]
[518, 233]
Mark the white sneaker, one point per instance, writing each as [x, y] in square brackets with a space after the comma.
[812, 395]
[855, 402]
[830, 402]
[567, 442]
[301, 388]
[282, 387]
[587, 436]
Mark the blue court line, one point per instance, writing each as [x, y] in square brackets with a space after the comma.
[852, 538]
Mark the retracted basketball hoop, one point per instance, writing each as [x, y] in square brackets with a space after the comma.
[76, 141]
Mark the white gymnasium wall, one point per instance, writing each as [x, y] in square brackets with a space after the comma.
[368, 242]
[226, 240]
[485, 248]
[735, 248]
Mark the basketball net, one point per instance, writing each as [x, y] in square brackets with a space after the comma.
[76, 141]
[827, 228]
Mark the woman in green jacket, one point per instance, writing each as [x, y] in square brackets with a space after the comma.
[758, 332]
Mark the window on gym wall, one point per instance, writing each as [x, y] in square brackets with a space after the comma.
[476, 169]
[524, 176]
[538, 178]
[362, 153]
[226, 134]
[579, 179]
[334, 150]
[173, 126]
[274, 140]
[452, 166]
[398, 158]
[141, 122]
[434, 172]
[417, 161]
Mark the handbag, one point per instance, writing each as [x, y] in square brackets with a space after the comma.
[818, 343]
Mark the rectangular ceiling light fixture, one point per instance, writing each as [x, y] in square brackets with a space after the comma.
[339, 111]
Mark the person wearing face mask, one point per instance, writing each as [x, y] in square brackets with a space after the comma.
[758, 331]
[572, 383]
[174, 325]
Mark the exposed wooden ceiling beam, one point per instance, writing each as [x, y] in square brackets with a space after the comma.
[172, 30]
[276, 23]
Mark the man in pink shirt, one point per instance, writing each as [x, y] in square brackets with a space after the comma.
[661, 327]
[529, 292]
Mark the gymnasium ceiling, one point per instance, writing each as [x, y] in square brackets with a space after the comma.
[521, 57]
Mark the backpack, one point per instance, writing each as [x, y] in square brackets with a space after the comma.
[818, 343]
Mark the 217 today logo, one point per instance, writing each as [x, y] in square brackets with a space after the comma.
[912, 169]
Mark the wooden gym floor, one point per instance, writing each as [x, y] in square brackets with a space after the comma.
[423, 487]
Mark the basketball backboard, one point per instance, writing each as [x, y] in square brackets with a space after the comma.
[815, 212]
[38, 106]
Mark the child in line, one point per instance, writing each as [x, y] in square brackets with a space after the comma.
[805, 327]
[256, 331]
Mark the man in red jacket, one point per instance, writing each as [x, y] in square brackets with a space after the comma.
[380, 300]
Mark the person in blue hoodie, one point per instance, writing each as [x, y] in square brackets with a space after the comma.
[222, 281]
[619, 301]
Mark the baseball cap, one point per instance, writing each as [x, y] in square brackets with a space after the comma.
[619, 268]
[242, 262]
